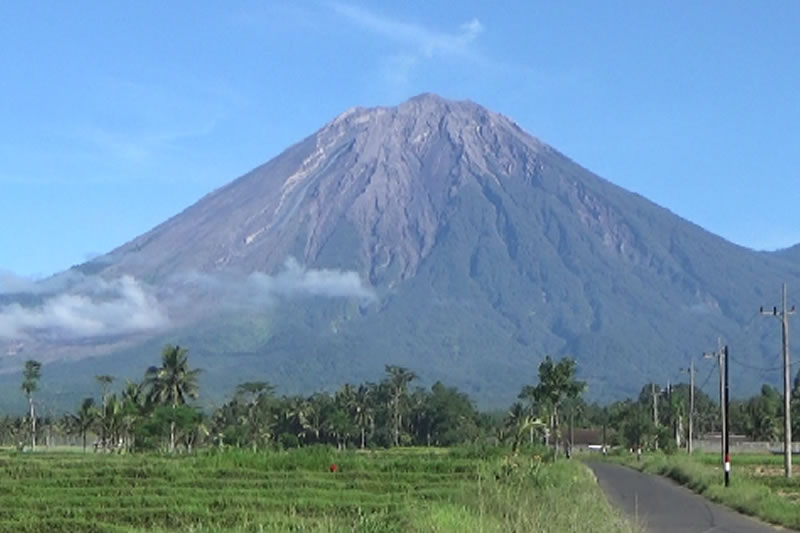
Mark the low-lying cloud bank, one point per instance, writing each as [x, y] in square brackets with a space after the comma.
[258, 289]
[94, 308]
[76, 306]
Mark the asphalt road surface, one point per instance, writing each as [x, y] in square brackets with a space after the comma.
[663, 506]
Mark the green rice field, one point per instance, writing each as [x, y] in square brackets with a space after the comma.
[385, 491]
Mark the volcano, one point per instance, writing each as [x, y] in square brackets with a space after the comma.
[473, 250]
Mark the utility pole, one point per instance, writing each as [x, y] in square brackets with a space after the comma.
[655, 411]
[655, 403]
[720, 356]
[691, 404]
[672, 415]
[571, 429]
[727, 425]
[784, 314]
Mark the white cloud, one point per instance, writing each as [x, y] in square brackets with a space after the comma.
[295, 279]
[259, 289]
[416, 42]
[72, 305]
[427, 41]
[98, 308]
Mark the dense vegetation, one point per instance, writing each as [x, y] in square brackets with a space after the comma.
[157, 413]
[758, 418]
[161, 412]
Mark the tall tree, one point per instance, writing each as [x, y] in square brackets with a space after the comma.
[363, 410]
[105, 382]
[529, 394]
[557, 383]
[397, 383]
[132, 399]
[30, 383]
[258, 419]
[172, 383]
[84, 419]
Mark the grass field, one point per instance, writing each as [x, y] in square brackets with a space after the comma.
[386, 491]
[758, 487]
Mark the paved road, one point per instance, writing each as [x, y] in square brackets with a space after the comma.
[662, 506]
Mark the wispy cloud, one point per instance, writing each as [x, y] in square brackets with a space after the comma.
[426, 41]
[416, 43]
[150, 118]
[259, 289]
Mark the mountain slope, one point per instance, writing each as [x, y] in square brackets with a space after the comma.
[486, 249]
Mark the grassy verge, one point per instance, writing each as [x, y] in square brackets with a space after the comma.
[375, 492]
[757, 487]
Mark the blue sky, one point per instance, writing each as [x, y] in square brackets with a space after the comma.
[115, 116]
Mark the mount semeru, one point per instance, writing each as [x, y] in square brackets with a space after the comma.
[460, 246]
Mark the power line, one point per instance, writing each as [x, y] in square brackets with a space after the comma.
[705, 381]
[761, 369]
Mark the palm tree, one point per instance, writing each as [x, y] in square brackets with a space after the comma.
[397, 382]
[111, 420]
[258, 397]
[84, 418]
[362, 410]
[30, 383]
[172, 383]
[529, 394]
[105, 382]
[517, 423]
[557, 383]
[132, 398]
[295, 415]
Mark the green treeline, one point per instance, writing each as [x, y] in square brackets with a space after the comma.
[158, 413]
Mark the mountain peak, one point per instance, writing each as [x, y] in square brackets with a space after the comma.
[427, 97]
[485, 248]
[390, 176]
[416, 107]
[433, 103]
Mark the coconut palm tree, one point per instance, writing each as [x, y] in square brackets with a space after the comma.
[557, 383]
[294, 416]
[172, 383]
[397, 383]
[105, 382]
[363, 409]
[30, 383]
[84, 419]
[258, 398]
[133, 400]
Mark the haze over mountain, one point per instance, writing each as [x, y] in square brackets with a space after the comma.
[436, 235]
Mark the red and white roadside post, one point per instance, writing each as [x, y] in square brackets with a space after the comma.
[727, 469]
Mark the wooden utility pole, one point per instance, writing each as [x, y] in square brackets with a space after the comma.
[655, 403]
[727, 424]
[783, 315]
[691, 404]
[676, 426]
[720, 356]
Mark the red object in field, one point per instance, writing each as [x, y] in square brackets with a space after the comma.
[334, 467]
